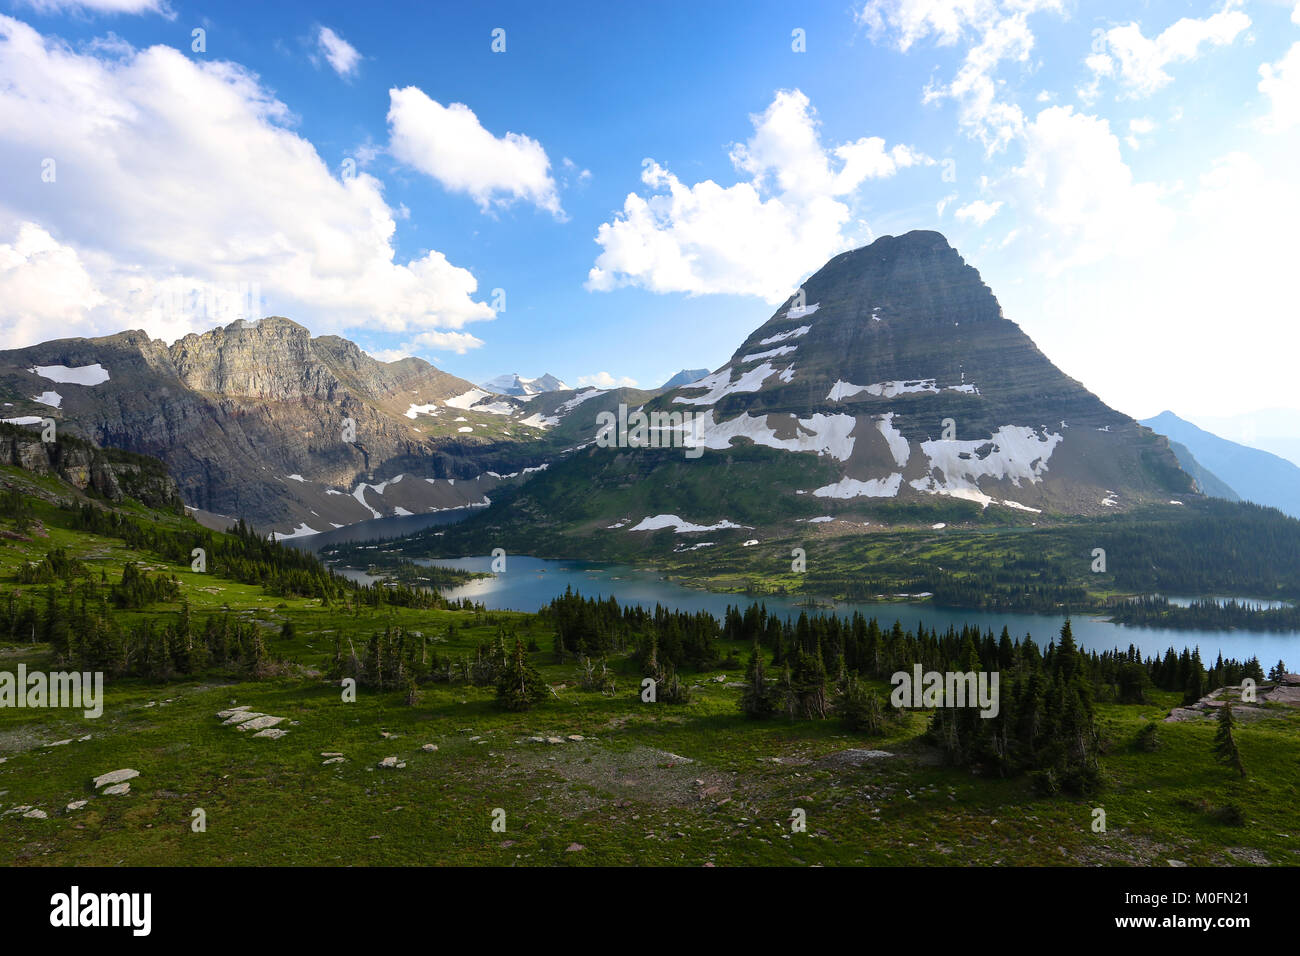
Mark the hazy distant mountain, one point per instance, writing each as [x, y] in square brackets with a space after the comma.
[514, 384]
[1276, 430]
[685, 377]
[1255, 475]
[1209, 482]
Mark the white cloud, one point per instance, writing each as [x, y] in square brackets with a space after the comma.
[909, 21]
[979, 212]
[341, 54]
[458, 342]
[44, 283]
[605, 380]
[449, 144]
[1002, 33]
[101, 6]
[388, 355]
[757, 237]
[1137, 128]
[1075, 191]
[173, 172]
[943, 203]
[1295, 15]
[1280, 82]
[1139, 63]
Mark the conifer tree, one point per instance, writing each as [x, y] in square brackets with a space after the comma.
[1225, 744]
[756, 700]
[520, 686]
[860, 707]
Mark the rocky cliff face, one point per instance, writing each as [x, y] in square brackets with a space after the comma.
[259, 420]
[106, 472]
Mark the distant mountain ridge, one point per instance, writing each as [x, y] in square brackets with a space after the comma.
[515, 384]
[263, 421]
[685, 377]
[1255, 475]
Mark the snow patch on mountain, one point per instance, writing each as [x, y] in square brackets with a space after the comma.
[871, 488]
[823, 434]
[81, 375]
[300, 531]
[1014, 452]
[799, 311]
[770, 353]
[782, 336]
[680, 526]
[842, 389]
[463, 401]
[719, 384]
[898, 445]
[52, 399]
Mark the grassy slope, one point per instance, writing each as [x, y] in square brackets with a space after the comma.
[621, 793]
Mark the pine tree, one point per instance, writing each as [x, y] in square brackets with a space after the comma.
[520, 686]
[756, 700]
[860, 707]
[1225, 744]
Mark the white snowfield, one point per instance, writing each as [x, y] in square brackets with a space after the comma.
[798, 312]
[658, 522]
[23, 420]
[295, 477]
[1019, 507]
[538, 420]
[898, 445]
[430, 409]
[299, 532]
[464, 401]
[1015, 452]
[871, 488]
[842, 389]
[782, 336]
[52, 399]
[823, 434]
[81, 375]
[360, 493]
[770, 353]
[719, 384]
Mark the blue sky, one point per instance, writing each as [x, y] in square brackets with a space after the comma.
[1122, 175]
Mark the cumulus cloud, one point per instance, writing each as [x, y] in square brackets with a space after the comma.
[999, 30]
[757, 237]
[341, 55]
[169, 172]
[1280, 82]
[44, 283]
[605, 380]
[979, 212]
[1139, 62]
[450, 145]
[458, 342]
[101, 6]
[1076, 192]
[908, 21]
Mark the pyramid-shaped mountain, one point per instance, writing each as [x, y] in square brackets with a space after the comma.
[895, 362]
[890, 378]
